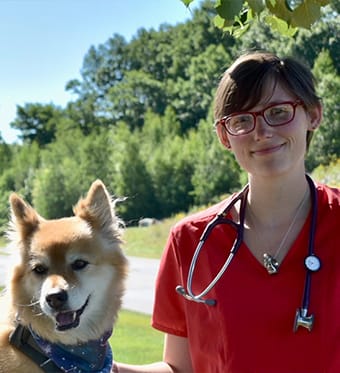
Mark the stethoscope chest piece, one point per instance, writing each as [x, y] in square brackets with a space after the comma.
[313, 264]
[302, 319]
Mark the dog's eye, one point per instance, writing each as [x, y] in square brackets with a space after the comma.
[40, 269]
[79, 264]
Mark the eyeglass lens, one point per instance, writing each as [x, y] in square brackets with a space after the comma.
[274, 115]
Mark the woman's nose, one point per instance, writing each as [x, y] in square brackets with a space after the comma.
[262, 128]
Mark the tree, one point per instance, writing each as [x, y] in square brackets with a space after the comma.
[37, 122]
[192, 94]
[215, 170]
[129, 178]
[18, 164]
[309, 45]
[67, 168]
[142, 120]
[129, 100]
[325, 146]
[5, 155]
[102, 67]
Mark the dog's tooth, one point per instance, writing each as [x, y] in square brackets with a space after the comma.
[74, 316]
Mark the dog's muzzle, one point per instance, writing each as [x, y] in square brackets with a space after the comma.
[65, 320]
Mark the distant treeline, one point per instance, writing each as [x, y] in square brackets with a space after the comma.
[142, 120]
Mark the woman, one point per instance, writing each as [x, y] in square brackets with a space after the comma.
[253, 320]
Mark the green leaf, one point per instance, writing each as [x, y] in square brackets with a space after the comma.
[187, 2]
[222, 23]
[228, 9]
[306, 14]
[279, 9]
[256, 5]
[239, 26]
[239, 31]
[219, 22]
[280, 25]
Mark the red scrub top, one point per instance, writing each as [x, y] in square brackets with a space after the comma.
[250, 329]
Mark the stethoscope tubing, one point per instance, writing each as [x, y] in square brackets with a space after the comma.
[307, 287]
[221, 218]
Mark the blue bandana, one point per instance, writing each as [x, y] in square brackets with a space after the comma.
[92, 356]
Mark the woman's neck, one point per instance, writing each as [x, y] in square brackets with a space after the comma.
[273, 201]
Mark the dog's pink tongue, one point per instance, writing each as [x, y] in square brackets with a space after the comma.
[65, 318]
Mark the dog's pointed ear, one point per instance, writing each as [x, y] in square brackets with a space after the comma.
[97, 207]
[24, 219]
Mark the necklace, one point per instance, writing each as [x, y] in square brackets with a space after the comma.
[269, 261]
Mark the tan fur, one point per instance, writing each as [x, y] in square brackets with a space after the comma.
[52, 254]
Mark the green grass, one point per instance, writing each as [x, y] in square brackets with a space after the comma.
[134, 341]
[148, 242]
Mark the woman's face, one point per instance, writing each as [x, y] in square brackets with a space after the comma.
[271, 151]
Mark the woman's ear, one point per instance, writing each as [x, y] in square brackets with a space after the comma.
[223, 136]
[315, 116]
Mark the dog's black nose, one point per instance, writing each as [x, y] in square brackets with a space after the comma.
[57, 298]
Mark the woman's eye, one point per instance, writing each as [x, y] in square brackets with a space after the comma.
[79, 264]
[40, 269]
[243, 119]
[279, 111]
[240, 121]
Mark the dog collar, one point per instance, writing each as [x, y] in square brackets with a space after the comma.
[92, 356]
[23, 340]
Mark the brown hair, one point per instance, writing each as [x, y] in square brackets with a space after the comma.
[243, 84]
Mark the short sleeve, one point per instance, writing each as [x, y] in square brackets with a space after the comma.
[169, 308]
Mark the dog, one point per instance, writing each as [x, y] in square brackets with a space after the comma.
[66, 288]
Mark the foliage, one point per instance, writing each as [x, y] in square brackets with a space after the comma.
[17, 175]
[216, 169]
[236, 16]
[68, 167]
[141, 119]
[326, 142]
[307, 46]
[129, 99]
[37, 122]
[329, 174]
[129, 176]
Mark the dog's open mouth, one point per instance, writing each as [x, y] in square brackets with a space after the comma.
[69, 319]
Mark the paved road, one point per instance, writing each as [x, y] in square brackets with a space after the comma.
[139, 295]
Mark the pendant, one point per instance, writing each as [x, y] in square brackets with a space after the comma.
[270, 263]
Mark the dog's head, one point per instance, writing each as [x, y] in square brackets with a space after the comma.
[68, 283]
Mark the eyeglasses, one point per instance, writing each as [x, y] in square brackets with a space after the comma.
[243, 122]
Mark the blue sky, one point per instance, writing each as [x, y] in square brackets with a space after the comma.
[43, 43]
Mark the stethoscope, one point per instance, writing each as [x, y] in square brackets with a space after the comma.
[312, 262]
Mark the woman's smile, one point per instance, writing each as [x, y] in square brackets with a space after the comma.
[268, 149]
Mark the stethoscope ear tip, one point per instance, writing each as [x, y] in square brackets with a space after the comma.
[180, 290]
[210, 302]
